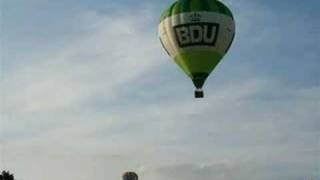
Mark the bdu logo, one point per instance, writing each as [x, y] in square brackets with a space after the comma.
[195, 34]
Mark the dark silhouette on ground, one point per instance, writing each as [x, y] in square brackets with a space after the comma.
[5, 175]
[129, 176]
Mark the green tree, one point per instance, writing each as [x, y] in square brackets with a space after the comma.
[5, 175]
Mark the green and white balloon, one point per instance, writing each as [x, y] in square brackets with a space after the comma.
[197, 34]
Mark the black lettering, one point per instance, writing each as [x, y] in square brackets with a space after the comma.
[197, 34]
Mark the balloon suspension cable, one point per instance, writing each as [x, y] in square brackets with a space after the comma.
[198, 93]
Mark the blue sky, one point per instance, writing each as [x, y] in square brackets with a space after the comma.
[88, 91]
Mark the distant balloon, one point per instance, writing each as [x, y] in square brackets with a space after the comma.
[197, 34]
[130, 176]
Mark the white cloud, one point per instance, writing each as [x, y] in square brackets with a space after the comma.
[118, 50]
[69, 112]
[46, 102]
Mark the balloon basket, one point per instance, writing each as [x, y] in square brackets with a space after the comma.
[198, 94]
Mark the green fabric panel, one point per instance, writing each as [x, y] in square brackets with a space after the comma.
[177, 8]
[197, 5]
[206, 5]
[165, 14]
[224, 9]
[183, 6]
[213, 6]
[183, 66]
[197, 61]
[171, 8]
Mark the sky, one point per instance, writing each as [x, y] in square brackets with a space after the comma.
[87, 92]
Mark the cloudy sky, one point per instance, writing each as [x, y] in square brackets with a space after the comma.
[87, 92]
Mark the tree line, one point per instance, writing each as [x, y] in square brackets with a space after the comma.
[6, 175]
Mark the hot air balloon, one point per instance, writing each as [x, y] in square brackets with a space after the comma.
[129, 176]
[197, 34]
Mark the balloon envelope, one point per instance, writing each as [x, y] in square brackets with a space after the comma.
[197, 34]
